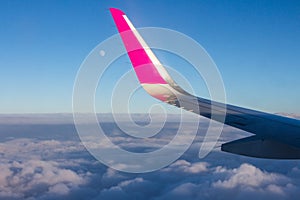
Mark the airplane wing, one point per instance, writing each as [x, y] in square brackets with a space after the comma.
[274, 136]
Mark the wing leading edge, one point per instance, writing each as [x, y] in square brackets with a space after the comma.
[275, 136]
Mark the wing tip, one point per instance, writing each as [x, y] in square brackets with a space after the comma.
[116, 11]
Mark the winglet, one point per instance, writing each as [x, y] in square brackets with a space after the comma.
[118, 18]
[151, 73]
[142, 58]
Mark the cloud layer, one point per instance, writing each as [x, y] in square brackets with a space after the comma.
[42, 166]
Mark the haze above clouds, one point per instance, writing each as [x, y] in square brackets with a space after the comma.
[48, 161]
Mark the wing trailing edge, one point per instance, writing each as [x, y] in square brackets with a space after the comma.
[255, 146]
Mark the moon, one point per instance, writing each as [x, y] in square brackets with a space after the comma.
[102, 53]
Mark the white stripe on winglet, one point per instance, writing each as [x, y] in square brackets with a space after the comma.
[162, 71]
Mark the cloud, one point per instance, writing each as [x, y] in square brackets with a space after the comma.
[136, 188]
[248, 176]
[20, 178]
[244, 182]
[33, 168]
[59, 189]
[36, 166]
[248, 179]
[187, 167]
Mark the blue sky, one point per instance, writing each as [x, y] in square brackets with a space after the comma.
[255, 44]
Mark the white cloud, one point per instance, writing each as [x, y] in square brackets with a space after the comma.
[21, 177]
[43, 169]
[25, 173]
[248, 176]
[60, 189]
[187, 167]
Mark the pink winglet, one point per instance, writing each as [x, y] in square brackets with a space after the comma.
[143, 66]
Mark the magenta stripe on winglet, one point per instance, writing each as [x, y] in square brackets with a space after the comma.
[143, 66]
